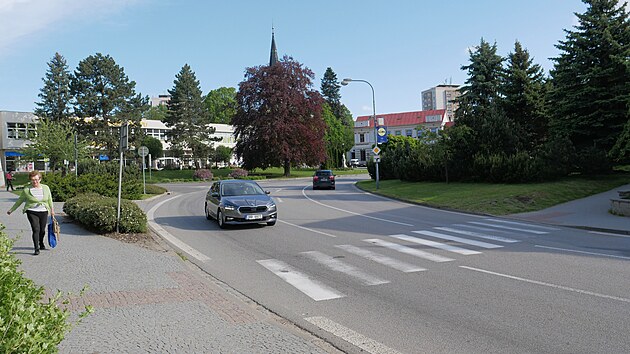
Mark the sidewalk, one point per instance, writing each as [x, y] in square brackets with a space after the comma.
[146, 298]
[589, 213]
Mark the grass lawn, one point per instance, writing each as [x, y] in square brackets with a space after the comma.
[497, 199]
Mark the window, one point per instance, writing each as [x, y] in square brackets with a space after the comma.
[409, 132]
[156, 133]
[20, 130]
[361, 138]
[398, 133]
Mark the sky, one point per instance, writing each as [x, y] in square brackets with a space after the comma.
[401, 47]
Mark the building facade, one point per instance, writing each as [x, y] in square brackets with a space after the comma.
[441, 97]
[411, 124]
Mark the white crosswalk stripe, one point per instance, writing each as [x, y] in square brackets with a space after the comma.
[477, 234]
[344, 268]
[312, 288]
[522, 224]
[408, 250]
[459, 239]
[434, 244]
[509, 228]
[381, 259]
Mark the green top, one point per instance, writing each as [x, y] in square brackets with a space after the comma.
[30, 201]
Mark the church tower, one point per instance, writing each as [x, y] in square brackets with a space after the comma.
[273, 57]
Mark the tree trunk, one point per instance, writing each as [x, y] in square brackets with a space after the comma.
[287, 168]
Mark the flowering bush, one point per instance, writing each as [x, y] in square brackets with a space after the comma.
[203, 174]
[238, 173]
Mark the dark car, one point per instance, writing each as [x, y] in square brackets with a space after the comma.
[236, 201]
[323, 179]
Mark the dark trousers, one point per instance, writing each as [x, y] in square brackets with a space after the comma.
[10, 184]
[38, 221]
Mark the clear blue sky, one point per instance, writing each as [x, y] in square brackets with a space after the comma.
[400, 47]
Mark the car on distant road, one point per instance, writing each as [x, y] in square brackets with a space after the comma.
[324, 179]
[354, 163]
[237, 201]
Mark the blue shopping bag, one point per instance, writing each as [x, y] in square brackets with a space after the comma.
[53, 232]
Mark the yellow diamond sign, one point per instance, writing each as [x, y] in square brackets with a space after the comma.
[376, 150]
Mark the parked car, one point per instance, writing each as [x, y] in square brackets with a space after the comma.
[354, 162]
[237, 201]
[323, 179]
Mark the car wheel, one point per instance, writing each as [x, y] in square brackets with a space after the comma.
[271, 223]
[208, 217]
[220, 219]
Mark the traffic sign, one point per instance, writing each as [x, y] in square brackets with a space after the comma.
[381, 135]
[376, 150]
[143, 151]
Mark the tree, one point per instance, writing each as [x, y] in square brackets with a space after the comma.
[221, 105]
[154, 145]
[54, 141]
[186, 115]
[222, 154]
[340, 132]
[279, 117]
[105, 99]
[155, 113]
[590, 95]
[330, 91]
[523, 97]
[55, 95]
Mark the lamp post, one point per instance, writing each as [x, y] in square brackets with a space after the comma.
[345, 82]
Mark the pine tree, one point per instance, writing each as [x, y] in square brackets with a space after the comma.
[340, 132]
[279, 121]
[330, 91]
[523, 97]
[105, 99]
[591, 95]
[55, 95]
[188, 118]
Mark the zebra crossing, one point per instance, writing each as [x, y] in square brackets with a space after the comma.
[464, 239]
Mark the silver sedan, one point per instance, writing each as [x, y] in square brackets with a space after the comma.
[236, 201]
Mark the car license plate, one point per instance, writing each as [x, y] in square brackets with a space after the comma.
[324, 179]
[253, 217]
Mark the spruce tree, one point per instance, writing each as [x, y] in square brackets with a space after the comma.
[591, 76]
[105, 99]
[523, 97]
[340, 132]
[188, 118]
[55, 95]
[330, 91]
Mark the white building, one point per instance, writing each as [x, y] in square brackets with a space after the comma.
[441, 97]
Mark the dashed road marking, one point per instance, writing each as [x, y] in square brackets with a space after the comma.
[345, 268]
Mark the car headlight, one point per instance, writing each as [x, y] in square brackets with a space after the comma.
[229, 207]
[272, 207]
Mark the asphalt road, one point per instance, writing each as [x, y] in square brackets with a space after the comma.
[382, 276]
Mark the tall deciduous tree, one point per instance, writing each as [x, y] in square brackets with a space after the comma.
[105, 99]
[279, 121]
[591, 76]
[221, 104]
[55, 95]
[155, 113]
[523, 96]
[191, 129]
[53, 141]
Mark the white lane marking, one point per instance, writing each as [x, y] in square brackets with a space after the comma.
[345, 268]
[278, 199]
[408, 250]
[366, 344]
[522, 224]
[351, 212]
[608, 234]
[306, 228]
[586, 292]
[312, 288]
[382, 259]
[477, 234]
[467, 226]
[459, 239]
[584, 252]
[434, 244]
[170, 238]
[510, 228]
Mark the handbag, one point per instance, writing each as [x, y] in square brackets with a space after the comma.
[53, 232]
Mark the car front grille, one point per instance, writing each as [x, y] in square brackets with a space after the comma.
[252, 209]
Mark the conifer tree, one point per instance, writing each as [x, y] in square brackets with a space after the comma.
[590, 96]
[523, 97]
[188, 118]
[105, 99]
[55, 95]
[340, 132]
[330, 91]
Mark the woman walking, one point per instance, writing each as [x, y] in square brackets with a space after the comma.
[37, 204]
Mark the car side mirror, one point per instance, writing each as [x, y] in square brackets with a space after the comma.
[267, 192]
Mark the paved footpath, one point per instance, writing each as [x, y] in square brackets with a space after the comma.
[147, 299]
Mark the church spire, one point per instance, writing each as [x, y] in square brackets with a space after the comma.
[273, 57]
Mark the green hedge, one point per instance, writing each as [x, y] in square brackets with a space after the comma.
[65, 187]
[27, 323]
[99, 213]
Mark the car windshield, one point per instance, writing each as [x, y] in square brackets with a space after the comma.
[323, 173]
[232, 189]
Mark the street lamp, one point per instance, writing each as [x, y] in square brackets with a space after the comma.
[345, 82]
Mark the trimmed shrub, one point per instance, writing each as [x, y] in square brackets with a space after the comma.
[202, 174]
[99, 213]
[63, 188]
[28, 324]
[153, 189]
[238, 173]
